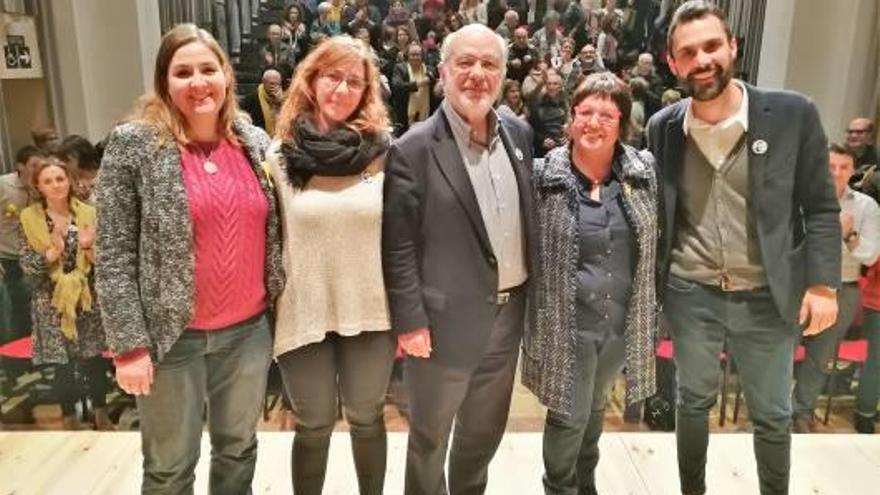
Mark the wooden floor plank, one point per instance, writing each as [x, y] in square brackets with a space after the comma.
[631, 464]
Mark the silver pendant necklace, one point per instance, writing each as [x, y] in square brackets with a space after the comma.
[208, 165]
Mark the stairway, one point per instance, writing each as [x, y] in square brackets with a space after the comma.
[247, 65]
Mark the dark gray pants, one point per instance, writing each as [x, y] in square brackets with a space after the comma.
[357, 370]
[571, 443]
[869, 383]
[762, 345]
[225, 369]
[811, 374]
[477, 400]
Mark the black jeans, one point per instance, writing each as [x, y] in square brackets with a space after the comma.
[762, 344]
[355, 369]
[571, 443]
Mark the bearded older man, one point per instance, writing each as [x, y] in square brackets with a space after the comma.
[458, 233]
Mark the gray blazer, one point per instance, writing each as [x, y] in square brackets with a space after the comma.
[791, 194]
[549, 366]
[145, 261]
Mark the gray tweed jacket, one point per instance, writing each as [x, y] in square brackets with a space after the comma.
[549, 365]
[145, 261]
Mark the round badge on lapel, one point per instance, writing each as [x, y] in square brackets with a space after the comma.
[759, 147]
[518, 153]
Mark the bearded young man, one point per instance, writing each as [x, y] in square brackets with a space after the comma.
[752, 242]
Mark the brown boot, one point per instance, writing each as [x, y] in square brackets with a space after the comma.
[102, 420]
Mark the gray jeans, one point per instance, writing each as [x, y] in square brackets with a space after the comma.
[357, 370]
[869, 384]
[225, 370]
[571, 443]
[762, 344]
[812, 373]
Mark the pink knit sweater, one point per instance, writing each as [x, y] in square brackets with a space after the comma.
[228, 212]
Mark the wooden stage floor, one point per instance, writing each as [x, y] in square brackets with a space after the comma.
[73, 463]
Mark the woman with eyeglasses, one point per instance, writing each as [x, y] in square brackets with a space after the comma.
[332, 335]
[595, 295]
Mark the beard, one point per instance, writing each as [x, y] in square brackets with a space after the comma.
[704, 92]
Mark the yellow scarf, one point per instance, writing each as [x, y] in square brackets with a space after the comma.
[268, 110]
[72, 288]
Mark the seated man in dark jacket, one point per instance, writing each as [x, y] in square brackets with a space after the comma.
[548, 114]
[265, 103]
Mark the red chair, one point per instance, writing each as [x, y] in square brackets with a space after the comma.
[853, 351]
[18, 349]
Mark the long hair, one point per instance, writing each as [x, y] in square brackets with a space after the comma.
[156, 109]
[369, 116]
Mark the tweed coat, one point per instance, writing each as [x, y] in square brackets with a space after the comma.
[549, 362]
[145, 258]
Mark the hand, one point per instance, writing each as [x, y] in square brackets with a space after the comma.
[416, 343]
[87, 237]
[819, 308]
[549, 144]
[57, 238]
[847, 222]
[136, 376]
[527, 59]
[515, 63]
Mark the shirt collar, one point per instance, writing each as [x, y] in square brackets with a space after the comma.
[741, 116]
[462, 130]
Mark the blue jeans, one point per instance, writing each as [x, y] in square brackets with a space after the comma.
[225, 370]
[762, 345]
[869, 384]
[812, 373]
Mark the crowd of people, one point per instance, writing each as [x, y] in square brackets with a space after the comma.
[462, 186]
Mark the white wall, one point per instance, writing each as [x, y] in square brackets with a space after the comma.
[827, 50]
[103, 51]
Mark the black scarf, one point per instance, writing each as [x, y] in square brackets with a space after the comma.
[336, 153]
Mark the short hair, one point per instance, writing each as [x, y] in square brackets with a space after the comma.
[370, 116]
[607, 86]
[156, 108]
[78, 147]
[839, 149]
[450, 39]
[551, 15]
[669, 97]
[691, 11]
[27, 152]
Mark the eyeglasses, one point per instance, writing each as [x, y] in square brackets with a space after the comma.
[335, 78]
[605, 118]
[857, 131]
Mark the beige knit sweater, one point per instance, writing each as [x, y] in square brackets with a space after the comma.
[332, 240]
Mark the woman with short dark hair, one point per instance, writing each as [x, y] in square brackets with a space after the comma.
[595, 300]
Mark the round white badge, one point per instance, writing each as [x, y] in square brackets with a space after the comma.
[759, 147]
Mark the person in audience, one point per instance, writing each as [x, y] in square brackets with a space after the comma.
[398, 15]
[638, 114]
[645, 69]
[276, 54]
[533, 84]
[412, 90]
[511, 97]
[57, 257]
[323, 26]
[508, 25]
[588, 62]
[860, 231]
[15, 195]
[548, 114]
[83, 162]
[295, 33]
[860, 140]
[473, 11]
[607, 44]
[522, 56]
[597, 210]
[332, 335]
[45, 138]
[371, 13]
[547, 40]
[868, 391]
[565, 62]
[265, 102]
[755, 273]
[189, 266]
